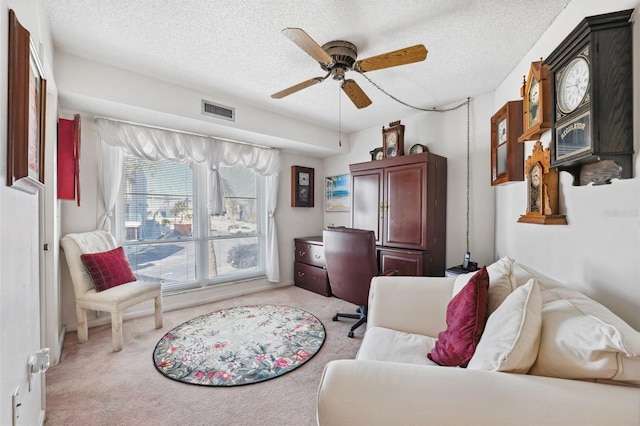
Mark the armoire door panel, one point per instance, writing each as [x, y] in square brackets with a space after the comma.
[366, 202]
[406, 206]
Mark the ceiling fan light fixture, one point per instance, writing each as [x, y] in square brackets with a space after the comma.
[337, 74]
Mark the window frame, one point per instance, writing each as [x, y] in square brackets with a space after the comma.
[200, 233]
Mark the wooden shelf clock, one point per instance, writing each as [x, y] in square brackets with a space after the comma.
[542, 189]
[507, 155]
[536, 97]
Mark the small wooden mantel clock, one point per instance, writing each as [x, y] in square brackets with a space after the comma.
[542, 189]
[393, 140]
[536, 95]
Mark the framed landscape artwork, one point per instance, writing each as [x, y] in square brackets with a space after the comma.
[338, 196]
[26, 111]
[302, 186]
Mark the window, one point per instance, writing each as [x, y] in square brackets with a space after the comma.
[170, 235]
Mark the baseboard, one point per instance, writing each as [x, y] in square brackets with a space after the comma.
[172, 302]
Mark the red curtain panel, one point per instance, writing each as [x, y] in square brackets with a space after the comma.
[69, 159]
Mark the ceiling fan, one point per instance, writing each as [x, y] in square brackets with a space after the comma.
[338, 56]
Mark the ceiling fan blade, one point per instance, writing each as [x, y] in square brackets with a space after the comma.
[306, 43]
[355, 93]
[404, 56]
[293, 89]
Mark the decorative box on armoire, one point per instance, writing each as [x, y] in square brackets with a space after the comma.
[309, 268]
[592, 84]
[404, 201]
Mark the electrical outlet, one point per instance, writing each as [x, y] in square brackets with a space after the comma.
[15, 406]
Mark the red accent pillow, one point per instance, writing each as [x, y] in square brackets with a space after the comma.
[108, 269]
[466, 317]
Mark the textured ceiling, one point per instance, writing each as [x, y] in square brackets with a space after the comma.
[234, 49]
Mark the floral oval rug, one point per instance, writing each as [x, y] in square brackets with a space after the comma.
[239, 346]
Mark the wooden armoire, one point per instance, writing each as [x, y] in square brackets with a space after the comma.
[404, 201]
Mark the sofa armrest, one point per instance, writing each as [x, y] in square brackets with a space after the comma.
[388, 393]
[410, 304]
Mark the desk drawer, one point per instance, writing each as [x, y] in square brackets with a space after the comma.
[311, 254]
[311, 278]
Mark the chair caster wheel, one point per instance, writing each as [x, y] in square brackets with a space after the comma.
[335, 318]
[350, 334]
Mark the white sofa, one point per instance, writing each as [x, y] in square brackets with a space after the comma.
[559, 333]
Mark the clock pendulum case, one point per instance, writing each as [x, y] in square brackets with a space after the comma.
[591, 73]
[542, 189]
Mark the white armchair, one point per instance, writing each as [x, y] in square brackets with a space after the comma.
[114, 300]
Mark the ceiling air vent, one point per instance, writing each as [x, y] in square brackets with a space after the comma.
[219, 111]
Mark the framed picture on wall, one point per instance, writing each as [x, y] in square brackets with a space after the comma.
[26, 111]
[338, 196]
[302, 186]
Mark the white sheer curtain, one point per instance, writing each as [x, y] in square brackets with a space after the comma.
[273, 260]
[155, 144]
[109, 177]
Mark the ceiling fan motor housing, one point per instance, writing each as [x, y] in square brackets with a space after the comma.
[344, 55]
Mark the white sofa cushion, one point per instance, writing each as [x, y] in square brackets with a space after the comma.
[511, 337]
[582, 339]
[500, 282]
[384, 344]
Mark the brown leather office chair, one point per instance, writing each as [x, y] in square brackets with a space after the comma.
[350, 256]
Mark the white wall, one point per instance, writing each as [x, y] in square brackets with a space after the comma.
[445, 134]
[598, 251]
[20, 269]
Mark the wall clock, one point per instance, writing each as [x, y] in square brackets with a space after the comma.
[507, 155]
[302, 186]
[393, 139]
[536, 97]
[591, 74]
[542, 189]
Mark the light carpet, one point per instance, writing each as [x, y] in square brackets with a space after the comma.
[94, 386]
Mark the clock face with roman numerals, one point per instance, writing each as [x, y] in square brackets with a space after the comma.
[573, 84]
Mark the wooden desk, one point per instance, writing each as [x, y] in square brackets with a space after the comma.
[309, 268]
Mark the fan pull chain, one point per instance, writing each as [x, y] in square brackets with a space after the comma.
[339, 115]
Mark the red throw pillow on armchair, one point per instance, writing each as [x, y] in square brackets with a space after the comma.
[108, 269]
[466, 318]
